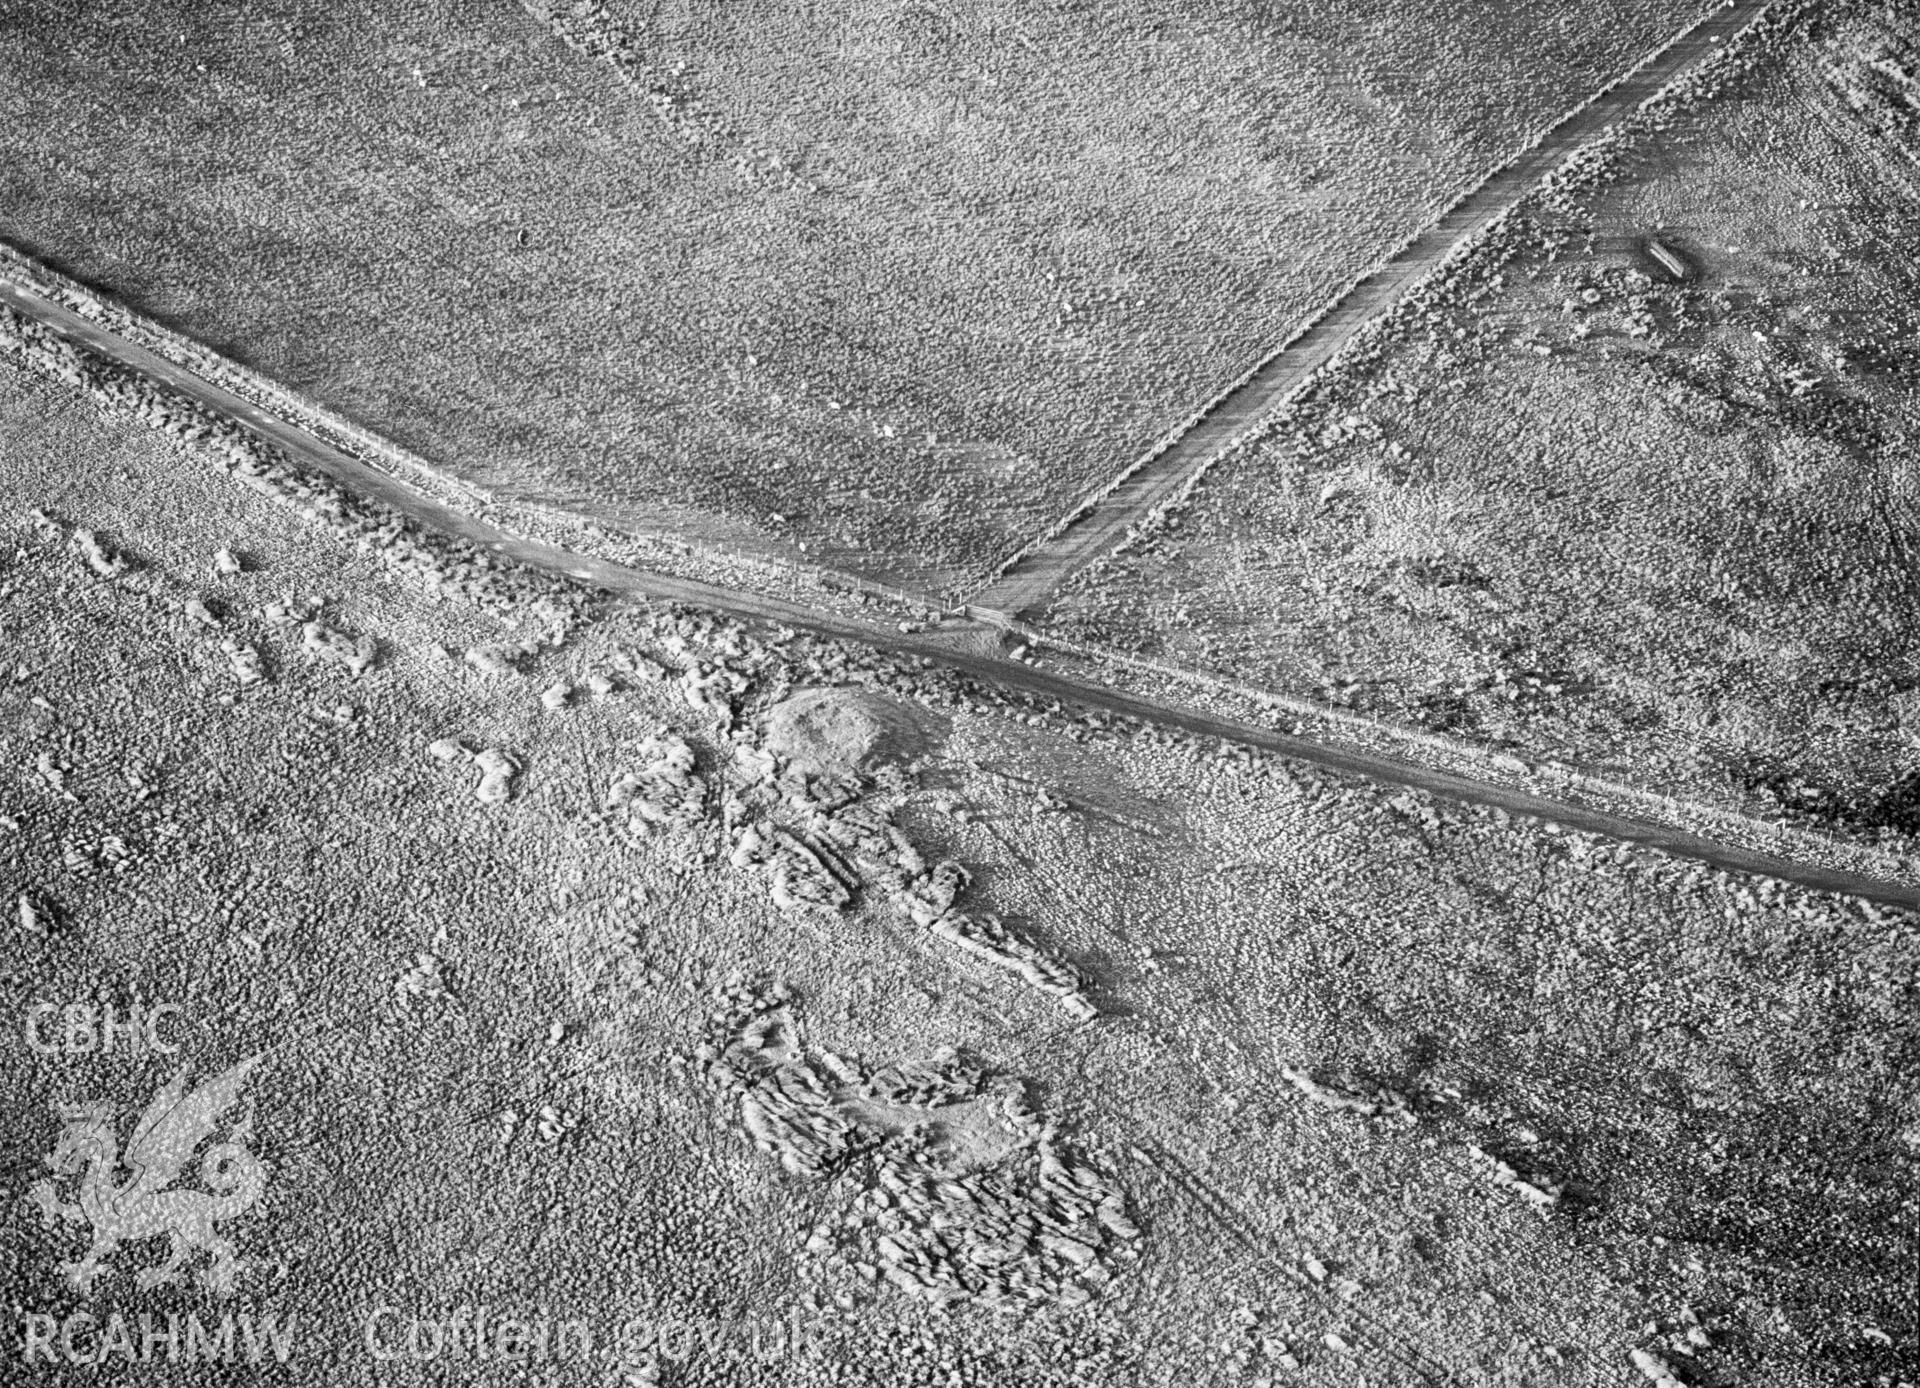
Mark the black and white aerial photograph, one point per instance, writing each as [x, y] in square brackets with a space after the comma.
[960, 693]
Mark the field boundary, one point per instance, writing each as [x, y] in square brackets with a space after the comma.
[1101, 519]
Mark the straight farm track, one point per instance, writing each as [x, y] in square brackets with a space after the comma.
[991, 671]
[1103, 519]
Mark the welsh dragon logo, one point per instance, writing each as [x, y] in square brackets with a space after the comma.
[140, 1206]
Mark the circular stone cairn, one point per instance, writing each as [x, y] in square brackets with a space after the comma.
[842, 731]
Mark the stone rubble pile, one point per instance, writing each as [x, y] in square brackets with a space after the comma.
[356, 653]
[712, 688]
[945, 1077]
[835, 840]
[799, 876]
[787, 1105]
[929, 903]
[666, 791]
[1031, 1227]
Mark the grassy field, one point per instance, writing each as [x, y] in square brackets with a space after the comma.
[1662, 528]
[1341, 1028]
[893, 282]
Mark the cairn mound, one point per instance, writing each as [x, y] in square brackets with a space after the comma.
[840, 731]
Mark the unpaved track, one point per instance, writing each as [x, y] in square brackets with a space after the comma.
[1103, 520]
[989, 669]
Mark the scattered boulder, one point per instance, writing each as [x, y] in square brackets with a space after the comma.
[245, 661]
[100, 559]
[32, 916]
[1376, 1102]
[495, 662]
[497, 773]
[1541, 1195]
[1655, 1369]
[424, 980]
[290, 612]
